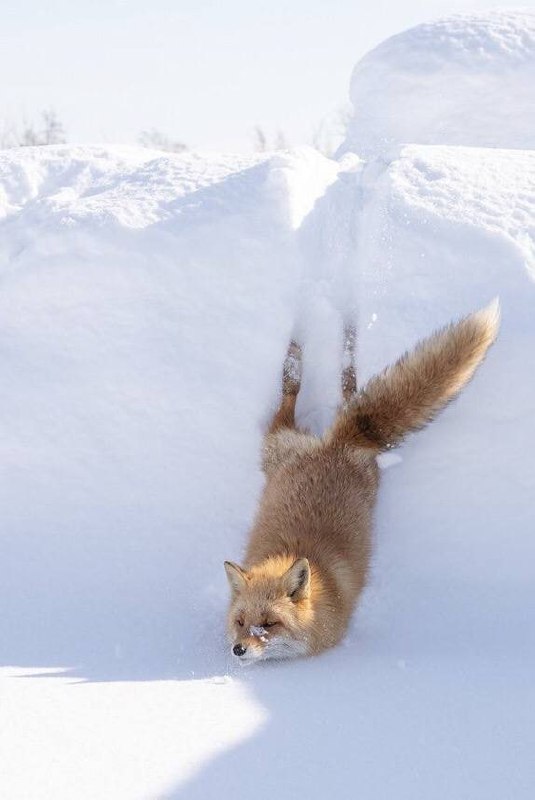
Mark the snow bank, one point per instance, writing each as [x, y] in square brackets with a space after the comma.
[442, 230]
[463, 80]
[146, 305]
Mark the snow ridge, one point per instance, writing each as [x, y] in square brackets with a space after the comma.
[463, 80]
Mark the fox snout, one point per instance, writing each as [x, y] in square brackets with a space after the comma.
[250, 644]
[247, 650]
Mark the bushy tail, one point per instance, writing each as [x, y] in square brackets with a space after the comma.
[408, 394]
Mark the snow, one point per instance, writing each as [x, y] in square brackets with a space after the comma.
[146, 304]
[63, 738]
[463, 80]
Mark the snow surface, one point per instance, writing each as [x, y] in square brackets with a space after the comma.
[463, 80]
[146, 304]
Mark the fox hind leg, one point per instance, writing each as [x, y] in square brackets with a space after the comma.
[349, 375]
[291, 382]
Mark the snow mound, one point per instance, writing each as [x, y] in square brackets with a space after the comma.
[462, 80]
[444, 229]
[129, 367]
[146, 304]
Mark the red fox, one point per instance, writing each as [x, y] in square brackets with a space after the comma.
[309, 549]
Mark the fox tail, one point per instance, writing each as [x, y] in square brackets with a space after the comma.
[408, 394]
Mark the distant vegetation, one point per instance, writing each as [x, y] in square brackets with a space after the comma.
[326, 136]
[48, 129]
[157, 140]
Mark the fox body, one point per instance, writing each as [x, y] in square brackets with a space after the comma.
[309, 551]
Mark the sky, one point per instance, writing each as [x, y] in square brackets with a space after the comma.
[205, 73]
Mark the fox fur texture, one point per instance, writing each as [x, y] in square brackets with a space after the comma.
[308, 554]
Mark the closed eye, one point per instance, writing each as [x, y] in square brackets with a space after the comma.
[268, 624]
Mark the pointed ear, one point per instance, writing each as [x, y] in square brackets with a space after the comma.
[237, 577]
[296, 581]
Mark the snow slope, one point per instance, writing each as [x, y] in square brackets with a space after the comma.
[463, 80]
[146, 302]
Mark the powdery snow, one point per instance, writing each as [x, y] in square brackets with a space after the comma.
[463, 80]
[146, 304]
[63, 738]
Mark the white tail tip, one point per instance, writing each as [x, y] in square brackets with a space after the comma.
[490, 316]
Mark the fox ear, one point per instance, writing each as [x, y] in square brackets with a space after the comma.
[296, 581]
[237, 577]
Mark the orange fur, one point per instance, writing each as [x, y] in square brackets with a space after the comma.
[309, 550]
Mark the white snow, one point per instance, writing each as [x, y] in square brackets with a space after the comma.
[64, 738]
[258, 630]
[146, 303]
[463, 80]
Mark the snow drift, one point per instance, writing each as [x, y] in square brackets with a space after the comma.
[463, 80]
[146, 305]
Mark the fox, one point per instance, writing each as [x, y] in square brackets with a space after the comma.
[308, 555]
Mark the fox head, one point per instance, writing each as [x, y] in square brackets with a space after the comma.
[270, 609]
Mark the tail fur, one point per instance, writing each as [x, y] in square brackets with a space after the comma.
[408, 394]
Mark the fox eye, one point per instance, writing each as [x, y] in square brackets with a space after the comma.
[240, 622]
[268, 624]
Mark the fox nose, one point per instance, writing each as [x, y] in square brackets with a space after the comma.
[239, 650]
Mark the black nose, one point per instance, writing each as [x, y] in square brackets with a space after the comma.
[239, 650]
